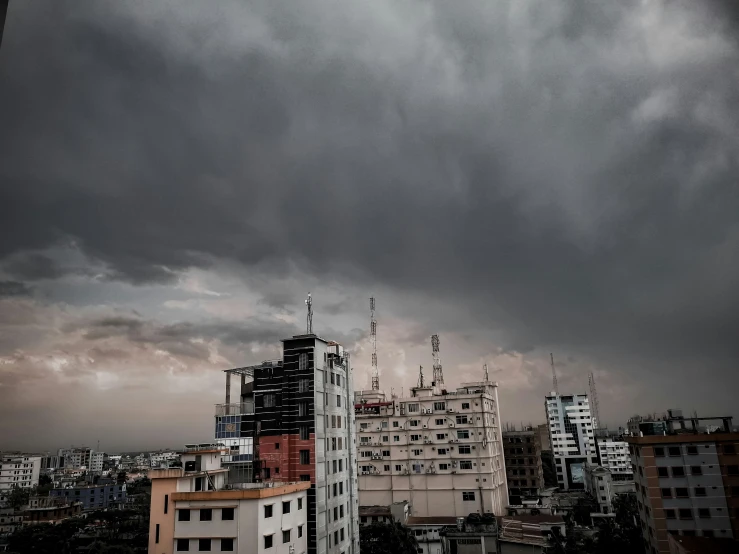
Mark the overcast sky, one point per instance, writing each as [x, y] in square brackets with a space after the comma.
[520, 177]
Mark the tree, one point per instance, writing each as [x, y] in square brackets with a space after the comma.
[45, 538]
[45, 484]
[101, 548]
[383, 538]
[18, 497]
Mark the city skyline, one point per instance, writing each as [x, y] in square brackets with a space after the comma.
[518, 179]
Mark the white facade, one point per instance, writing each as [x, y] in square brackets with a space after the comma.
[571, 433]
[20, 471]
[162, 459]
[615, 457]
[442, 453]
[82, 458]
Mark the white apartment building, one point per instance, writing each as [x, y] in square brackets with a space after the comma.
[162, 459]
[440, 451]
[18, 470]
[615, 457]
[194, 509]
[81, 458]
[571, 433]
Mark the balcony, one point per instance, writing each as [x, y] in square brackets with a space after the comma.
[234, 409]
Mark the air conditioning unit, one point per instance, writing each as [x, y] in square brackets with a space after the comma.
[425, 426]
[451, 425]
[450, 411]
[454, 471]
[455, 440]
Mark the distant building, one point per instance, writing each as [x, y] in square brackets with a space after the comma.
[615, 457]
[79, 458]
[686, 484]
[400, 512]
[10, 520]
[527, 534]
[93, 497]
[429, 530]
[49, 509]
[194, 509]
[473, 534]
[571, 434]
[441, 451]
[18, 470]
[523, 462]
[600, 483]
[163, 459]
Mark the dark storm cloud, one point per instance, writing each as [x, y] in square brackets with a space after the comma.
[565, 172]
[14, 288]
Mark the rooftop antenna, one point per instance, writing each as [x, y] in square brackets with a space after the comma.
[485, 370]
[554, 375]
[373, 340]
[420, 376]
[309, 319]
[438, 374]
[594, 406]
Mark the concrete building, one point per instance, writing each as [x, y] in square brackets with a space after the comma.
[81, 457]
[163, 459]
[600, 484]
[429, 532]
[687, 484]
[93, 497]
[523, 462]
[10, 521]
[614, 456]
[701, 545]
[194, 509]
[18, 470]
[400, 512]
[47, 509]
[571, 435]
[294, 421]
[524, 534]
[440, 451]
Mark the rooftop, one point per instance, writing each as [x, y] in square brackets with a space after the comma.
[432, 520]
[537, 518]
[374, 510]
[683, 437]
[705, 545]
[252, 492]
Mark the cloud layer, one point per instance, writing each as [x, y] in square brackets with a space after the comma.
[519, 177]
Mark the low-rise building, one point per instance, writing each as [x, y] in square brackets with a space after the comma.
[193, 508]
[48, 509]
[475, 534]
[10, 520]
[529, 533]
[428, 532]
[93, 497]
[600, 484]
[399, 511]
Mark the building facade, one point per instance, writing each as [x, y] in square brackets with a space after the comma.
[93, 497]
[18, 470]
[80, 458]
[600, 484]
[571, 433]
[295, 422]
[440, 451]
[523, 462]
[614, 456]
[194, 509]
[686, 484]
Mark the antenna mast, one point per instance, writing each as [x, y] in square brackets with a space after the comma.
[420, 376]
[373, 339]
[309, 319]
[554, 375]
[438, 375]
[594, 406]
[485, 369]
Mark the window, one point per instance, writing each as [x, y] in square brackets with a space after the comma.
[464, 449]
[681, 492]
[463, 434]
[439, 406]
[206, 514]
[341, 487]
[300, 503]
[732, 470]
[338, 401]
[303, 385]
[396, 438]
[269, 400]
[385, 438]
[203, 545]
[461, 420]
[302, 408]
[729, 449]
[443, 466]
[183, 545]
[268, 511]
[268, 541]
[465, 464]
[183, 515]
[674, 450]
[699, 491]
[440, 436]
[412, 408]
[305, 478]
[678, 471]
[341, 511]
[335, 489]
[386, 467]
[417, 452]
[303, 362]
[441, 451]
[166, 501]
[468, 496]
[156, 540]
[439, 422]
[465, 405]
[666, 493]
[659, 451]
[708, 533]
[227, 514]
[692, 450]
[286, 507]
[398, 467]
[415, 437]
[395, 423]
[385, 452]
[669, 513]
[227, 545]
[413, 423]
[704, 513]
[305, 457]
[696, 470]
[300, 531]
[286, 536]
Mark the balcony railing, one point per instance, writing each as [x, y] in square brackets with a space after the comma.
[238, 408]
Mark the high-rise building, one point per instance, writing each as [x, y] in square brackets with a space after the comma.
[294, 422]
[614, 456]
[18, 471]
[686, 484]
[571, 435]
[523, 462]
[440, 451]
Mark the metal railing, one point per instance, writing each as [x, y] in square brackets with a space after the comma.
[237, 408]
